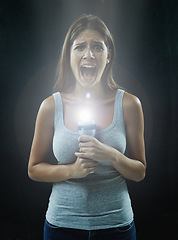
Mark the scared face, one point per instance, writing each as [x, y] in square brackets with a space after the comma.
[88, 58]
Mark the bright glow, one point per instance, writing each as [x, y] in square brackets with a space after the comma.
[88, 95]
[85, 115]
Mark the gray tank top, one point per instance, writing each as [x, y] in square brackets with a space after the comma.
[100, 200]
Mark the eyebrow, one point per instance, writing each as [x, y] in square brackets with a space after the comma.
[96, 42]
[80, 43]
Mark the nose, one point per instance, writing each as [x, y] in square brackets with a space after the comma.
[88, 54]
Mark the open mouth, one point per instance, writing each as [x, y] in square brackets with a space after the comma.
[88, 71]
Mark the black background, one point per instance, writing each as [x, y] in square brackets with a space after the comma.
[146, 38]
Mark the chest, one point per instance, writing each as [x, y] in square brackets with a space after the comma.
[102, 113]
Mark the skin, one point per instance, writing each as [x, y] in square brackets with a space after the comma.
[89, 49]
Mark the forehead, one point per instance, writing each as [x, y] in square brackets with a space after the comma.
[89, 35]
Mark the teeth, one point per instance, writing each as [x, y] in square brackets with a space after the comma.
[88, 66]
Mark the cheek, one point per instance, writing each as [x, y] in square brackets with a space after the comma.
[75, 58]
[103, 62]
[74, 64]
[72, 61]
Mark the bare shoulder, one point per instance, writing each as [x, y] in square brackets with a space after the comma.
[132, 107]
[46, 111]
[48, 104]
[131, 101]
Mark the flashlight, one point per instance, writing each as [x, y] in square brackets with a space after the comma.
[87, 127]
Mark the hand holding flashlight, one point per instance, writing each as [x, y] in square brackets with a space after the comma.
[86, 125]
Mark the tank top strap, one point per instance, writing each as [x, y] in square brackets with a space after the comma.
[118, 109]
[58, 116]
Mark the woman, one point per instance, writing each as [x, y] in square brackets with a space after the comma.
[89, 199]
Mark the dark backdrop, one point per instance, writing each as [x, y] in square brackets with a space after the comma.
[146, 38]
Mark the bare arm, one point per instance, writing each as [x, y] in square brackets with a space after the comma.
[38, 168]
[132, 167]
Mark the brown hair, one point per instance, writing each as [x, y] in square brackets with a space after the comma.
[64, 75]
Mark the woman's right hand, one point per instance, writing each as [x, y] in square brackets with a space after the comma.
[83, 167]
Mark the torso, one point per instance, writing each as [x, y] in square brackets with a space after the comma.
[107, 183]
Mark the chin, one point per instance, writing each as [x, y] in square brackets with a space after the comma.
[89, 83]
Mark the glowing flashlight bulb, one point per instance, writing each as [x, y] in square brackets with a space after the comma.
[86, 125]
[85, 115]
[88, 95]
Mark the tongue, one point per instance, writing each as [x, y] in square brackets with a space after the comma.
[88, 72]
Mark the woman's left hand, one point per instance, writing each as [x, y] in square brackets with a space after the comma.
[91, 148]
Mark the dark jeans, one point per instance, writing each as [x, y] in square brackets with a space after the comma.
[120, 233]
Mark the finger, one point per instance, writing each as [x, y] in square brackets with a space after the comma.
[85, 138]
[92, 169]
[82, 155]
[85, 144]
[85, 149]
[87, 155]
[91, 164]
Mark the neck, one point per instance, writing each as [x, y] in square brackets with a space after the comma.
[92, 94]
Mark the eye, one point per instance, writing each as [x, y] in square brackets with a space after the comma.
[80, 48]
[97, 48]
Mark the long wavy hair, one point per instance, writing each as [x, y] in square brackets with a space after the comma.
[64, 76]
